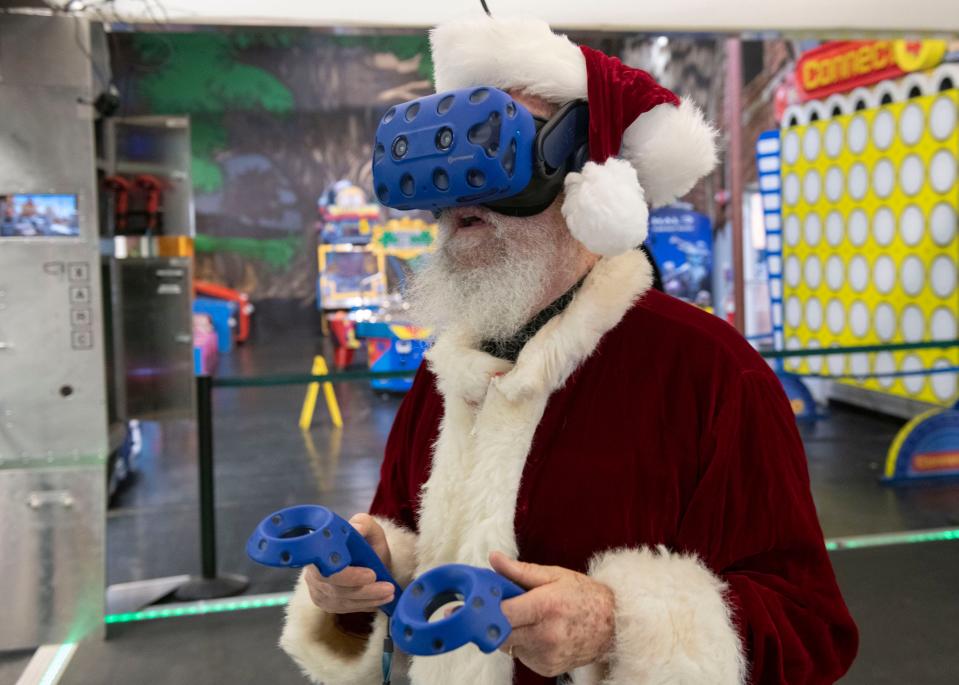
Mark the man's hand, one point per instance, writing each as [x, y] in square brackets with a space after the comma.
[354, 589]
[564, 621]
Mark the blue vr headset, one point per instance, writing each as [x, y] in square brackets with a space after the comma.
[476, 146]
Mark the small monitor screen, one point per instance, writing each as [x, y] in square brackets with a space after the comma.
[39, 216]
[351, 266]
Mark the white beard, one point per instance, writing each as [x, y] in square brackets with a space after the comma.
[492, 283]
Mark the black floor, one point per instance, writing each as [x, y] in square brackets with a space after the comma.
[263, 462]
[904, 597]
[12, 665]
[905, 603]
[229, 649]
[847, 455]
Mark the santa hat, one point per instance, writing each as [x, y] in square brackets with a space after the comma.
[645, 144]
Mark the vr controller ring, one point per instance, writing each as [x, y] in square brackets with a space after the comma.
[480, 620]
[310, 534]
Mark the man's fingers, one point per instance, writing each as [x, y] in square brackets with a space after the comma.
[517, 641]
[347, 606]
[367, 593]
[352, 576]
[312, 575]
[522, 611]
[345, 600]
[520, 572]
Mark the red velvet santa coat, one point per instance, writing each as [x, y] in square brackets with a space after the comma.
[637, 439]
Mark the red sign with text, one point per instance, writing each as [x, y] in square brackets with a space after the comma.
[839, 67]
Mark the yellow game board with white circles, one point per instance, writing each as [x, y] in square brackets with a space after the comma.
[870, 252]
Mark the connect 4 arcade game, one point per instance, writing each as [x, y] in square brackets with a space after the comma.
[869, 228]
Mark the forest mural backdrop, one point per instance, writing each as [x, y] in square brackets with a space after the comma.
[278, 115]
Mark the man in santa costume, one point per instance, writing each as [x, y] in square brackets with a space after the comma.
[634, 453]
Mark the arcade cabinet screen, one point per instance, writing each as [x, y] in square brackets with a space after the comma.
[39, 216]
[351, 266]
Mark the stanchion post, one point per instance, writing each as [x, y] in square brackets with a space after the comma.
[209, 585]
[204, 411]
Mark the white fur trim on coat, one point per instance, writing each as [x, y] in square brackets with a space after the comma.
[508, 53]
[491, 411]
[468, 505]
[324, 653]
[671, 148]
[605, 207]
[547, 360]
[673, 624]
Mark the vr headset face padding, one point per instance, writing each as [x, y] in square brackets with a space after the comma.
[476, 146]
[561, 147]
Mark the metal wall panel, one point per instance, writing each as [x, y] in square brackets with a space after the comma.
[45, 51]
[51, 534]
[53, 430]
[52, 400]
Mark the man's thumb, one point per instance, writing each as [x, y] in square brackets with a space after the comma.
[373, 533]
[520, 572]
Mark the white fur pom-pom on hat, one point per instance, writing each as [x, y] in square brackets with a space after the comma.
[645, 144]
[605, 207]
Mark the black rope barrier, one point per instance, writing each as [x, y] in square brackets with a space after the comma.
[873, 374]
[854, 349]
[306, 378]
[352, 376]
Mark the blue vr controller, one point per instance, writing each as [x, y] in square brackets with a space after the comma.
[311, 534]
[480, 620]
[308, 534]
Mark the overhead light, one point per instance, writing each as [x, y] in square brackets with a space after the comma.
[75, 6]
[662, 41]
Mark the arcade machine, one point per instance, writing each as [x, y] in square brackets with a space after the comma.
[392, 342]
[53, 397]
[681, 241]
[352, 284]
[352, 273]
[346, 215]
[147, 233]
[244, 308]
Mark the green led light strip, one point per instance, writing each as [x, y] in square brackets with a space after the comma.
[200, 608]
[887, 539]
[281, 599]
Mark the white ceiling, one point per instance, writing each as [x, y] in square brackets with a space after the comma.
[792, 16]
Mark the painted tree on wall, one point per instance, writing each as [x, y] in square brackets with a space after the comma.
[200, 74]
[277, 116]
